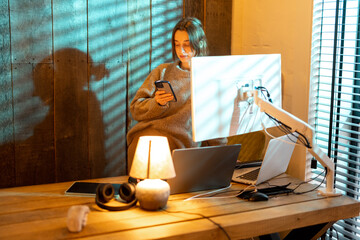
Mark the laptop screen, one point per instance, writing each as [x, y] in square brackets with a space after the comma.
[203, 168]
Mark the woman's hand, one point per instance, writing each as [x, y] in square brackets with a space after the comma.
[162, 98]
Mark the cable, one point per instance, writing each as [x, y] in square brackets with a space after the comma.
[272, 185]
[293, 190]
[242, 191]
[203, 216]
[238, 193]
[211, 192]
[214, 193]
[336, 231]
[303, 141]
[262, 90]
[309, 180]
[247, 128]
[242, 118]
[325, 170]
[256, 114]
[273, 137]
[283, 127]
[287, 130]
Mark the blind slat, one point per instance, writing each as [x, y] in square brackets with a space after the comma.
[334, 108]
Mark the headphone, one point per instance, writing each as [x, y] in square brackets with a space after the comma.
[105, 193]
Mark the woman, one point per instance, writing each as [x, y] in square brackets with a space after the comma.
[155, 111]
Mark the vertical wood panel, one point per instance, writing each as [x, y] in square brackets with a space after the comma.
[113, 101]
[74, 68]
[164, 16]
[138, 43]
[107, 41]
[30, 30]
[139, 47]
[7, 166]
[195, 8]
[107, 30]
[70, 89]
[97, 139]
[34, 152]
[70, 25]
[218, 26]
[71, 114]
[30, 44]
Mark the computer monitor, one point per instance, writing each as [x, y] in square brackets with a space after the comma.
[218, 83]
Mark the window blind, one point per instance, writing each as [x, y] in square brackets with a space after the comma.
[334, 109]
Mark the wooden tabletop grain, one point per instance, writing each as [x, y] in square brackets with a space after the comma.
[40, 212]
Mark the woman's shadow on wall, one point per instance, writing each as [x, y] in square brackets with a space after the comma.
[69, 143]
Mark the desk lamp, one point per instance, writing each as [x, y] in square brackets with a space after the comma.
[152, 162]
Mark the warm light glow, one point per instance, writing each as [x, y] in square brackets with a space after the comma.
[152, 194]
[152, 159]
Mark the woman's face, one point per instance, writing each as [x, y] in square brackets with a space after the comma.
[183, 49]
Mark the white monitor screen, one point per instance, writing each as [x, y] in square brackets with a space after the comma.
[218, 84]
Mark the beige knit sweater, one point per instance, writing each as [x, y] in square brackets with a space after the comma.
[172, 120]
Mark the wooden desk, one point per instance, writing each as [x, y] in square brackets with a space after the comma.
[39, 212]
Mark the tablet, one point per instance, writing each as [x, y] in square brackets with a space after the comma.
[87, 189]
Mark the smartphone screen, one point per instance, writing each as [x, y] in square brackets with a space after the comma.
[165, 86]
[87, 188]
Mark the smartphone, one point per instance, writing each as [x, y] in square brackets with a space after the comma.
[165, 86]
[87, 188]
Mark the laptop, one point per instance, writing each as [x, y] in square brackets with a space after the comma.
[203, 168]
[275, 162]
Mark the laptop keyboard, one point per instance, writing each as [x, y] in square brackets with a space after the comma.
[251, 176]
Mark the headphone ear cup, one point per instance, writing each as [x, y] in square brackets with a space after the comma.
[127, 192]
[105, 192]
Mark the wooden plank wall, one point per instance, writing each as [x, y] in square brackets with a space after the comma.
[68, 71]
[216, 16]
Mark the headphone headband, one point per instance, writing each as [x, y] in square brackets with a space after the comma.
[105, 193]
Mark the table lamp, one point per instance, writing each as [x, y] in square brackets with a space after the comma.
[152, 162]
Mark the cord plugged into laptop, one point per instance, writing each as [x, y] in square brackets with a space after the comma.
[240, 165]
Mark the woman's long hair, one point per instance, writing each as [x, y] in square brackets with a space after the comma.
[197, 38]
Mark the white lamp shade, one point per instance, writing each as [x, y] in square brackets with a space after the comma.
[152, 159]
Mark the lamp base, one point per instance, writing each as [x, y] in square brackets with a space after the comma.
[152, 194]
[324, 192]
